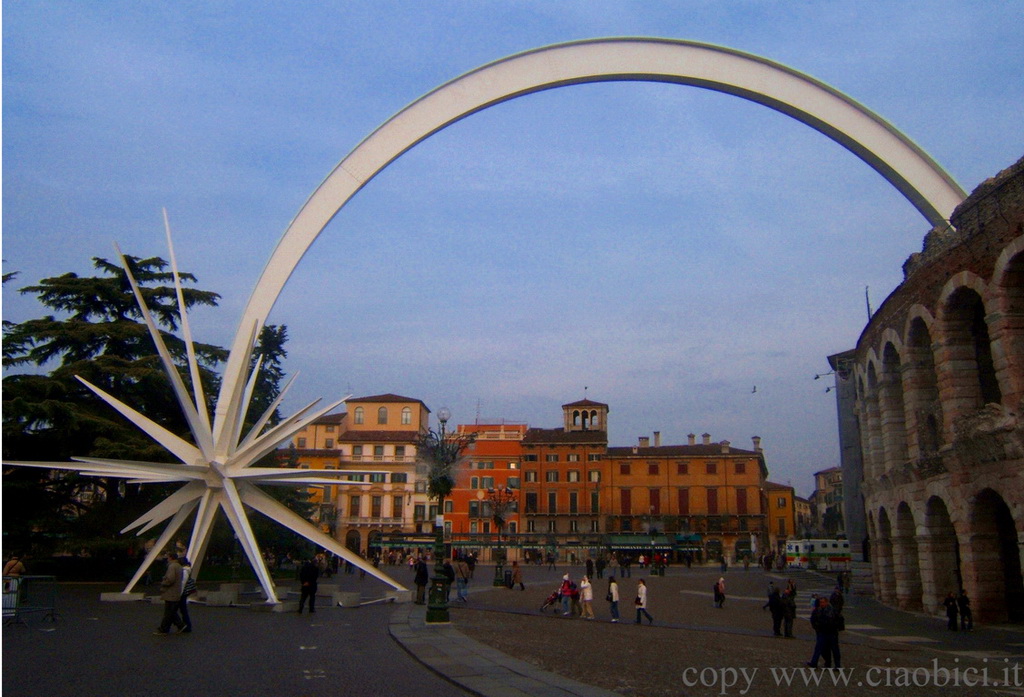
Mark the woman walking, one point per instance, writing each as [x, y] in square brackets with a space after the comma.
[587, 598]
[641, 603]
[613, 598]
[720, 592]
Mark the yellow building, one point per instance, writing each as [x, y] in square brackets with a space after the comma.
[781, 514]
[375, 440]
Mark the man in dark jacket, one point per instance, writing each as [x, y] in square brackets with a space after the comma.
[774, 605]
[826, 645]
[788, 612]
[171, 587]
[421, 579]
[308, 575]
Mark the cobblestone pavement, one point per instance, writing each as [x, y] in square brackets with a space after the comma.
[691, 641]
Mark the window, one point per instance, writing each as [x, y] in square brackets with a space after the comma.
[513, 483]
[712, 467]
[357, 452]
[353, 506]
[419, 512]
[655, 499]
[741, 501]
[378, 477]
[396, 506]
[513, 465]
[449, 506]
[399, 478]
[300, 443]
[382, 416]
[551, 458]
[594, 457]
[573, 526]
[652, 469]
[552, 502]
[531, 502]
[551, 476]
[594, 476]
[682, 468]
[406, 416]
[551, 526]
[330, 429]
[329, 443]
[303, 466]
[595, 526]
[474, 509]
[375, 506]
[782, 527]
[741, 468]
[574, 475]
[712, 501]
[399, 453]
[512, 527]
[781, 503]
[595, 502]
[378, 452]
[473, 526]
[624, 468]
[531, 526]
[625, 502]
[684, 502]
[357, 415]
[486, 482]
[531, 475]
[573, 457]
[326, 498]
[529, 458]
[574, 503]
[420, 487]
[474, 482]
[356, 477]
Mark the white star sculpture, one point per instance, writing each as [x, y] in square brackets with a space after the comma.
[217, 470]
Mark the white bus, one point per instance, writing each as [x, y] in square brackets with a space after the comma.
[824, 555]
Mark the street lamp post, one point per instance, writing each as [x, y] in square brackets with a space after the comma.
[441, 452]
[500, 500]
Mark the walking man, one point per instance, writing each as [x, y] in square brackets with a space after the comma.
[172, 586]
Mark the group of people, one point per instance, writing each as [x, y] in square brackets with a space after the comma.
[782, 606]
[578, 599]
[175, 595]
[959, 605]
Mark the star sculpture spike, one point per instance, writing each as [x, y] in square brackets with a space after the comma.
[216, 471]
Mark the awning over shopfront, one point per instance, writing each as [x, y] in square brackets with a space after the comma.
[689, 543]
[640, 543]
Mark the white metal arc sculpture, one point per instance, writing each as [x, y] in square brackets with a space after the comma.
[906, 166]
[217, 470]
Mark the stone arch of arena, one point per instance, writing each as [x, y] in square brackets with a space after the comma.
[939, 399]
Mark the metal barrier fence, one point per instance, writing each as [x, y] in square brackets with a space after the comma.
[23, 595]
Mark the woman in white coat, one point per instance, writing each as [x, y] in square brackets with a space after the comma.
[587, 598]
[641, 603]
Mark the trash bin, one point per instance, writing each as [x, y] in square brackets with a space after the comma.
[508, 578]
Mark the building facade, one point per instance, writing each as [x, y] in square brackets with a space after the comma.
[781, 509]
[938, 375]
[709, 489]
[490, 480]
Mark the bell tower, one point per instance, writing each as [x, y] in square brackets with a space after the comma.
[585, 415]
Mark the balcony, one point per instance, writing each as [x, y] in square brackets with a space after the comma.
[371, 522]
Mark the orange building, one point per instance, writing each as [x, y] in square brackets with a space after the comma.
[492, 474]
[563, 472]
[781, 514]
[708, 489]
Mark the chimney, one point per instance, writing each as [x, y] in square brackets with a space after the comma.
[691, 439]
[725, 447]
[707, 438]
[657, 439]
[757, 443]
[645, 442]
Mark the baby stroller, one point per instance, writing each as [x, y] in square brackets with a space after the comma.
[551, 600]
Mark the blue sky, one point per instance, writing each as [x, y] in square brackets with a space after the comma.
[664, 246]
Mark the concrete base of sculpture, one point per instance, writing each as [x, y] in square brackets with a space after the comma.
[347, 599]
[121, 597]
[398, 596]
